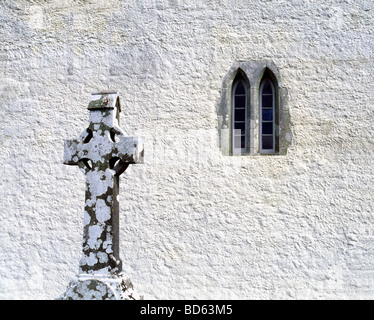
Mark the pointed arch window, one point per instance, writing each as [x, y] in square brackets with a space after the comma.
[267, 116]
[239, 117]
[253, 116]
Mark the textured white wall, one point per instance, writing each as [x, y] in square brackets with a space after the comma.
[194, 223]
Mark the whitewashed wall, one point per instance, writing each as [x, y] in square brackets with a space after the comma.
[194, 223]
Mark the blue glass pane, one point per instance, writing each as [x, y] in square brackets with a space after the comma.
[267, 142]
[240, 88]
[267, 128]
[267, 88]
[267, 114]
[242, 142]
[267, 101]
[240, 115]
[239, 101]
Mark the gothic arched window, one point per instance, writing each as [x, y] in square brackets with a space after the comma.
[253, 116]
[239, 116]
[267, 116]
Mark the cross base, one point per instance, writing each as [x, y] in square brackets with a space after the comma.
[98, 287]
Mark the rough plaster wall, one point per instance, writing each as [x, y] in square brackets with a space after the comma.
[194, 223]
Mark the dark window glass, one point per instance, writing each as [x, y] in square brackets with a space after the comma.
[239, 101]
[240, 88]
[267, 128]
[267, 114]
[267, 88]
[240, 115]
[240, 126]
[267, 142]
[239, 111]
[267, 101]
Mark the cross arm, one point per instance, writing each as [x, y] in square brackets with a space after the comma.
[128, 149]
[71, 148]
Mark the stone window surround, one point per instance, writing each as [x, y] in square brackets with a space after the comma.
[253, 72]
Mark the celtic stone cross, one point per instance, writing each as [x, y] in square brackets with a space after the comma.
[102, 152]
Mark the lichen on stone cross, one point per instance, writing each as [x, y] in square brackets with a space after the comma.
[102, 152]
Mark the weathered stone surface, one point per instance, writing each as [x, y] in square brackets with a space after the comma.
[100, 288]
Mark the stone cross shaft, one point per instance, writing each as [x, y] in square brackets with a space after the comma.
[102, 152]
